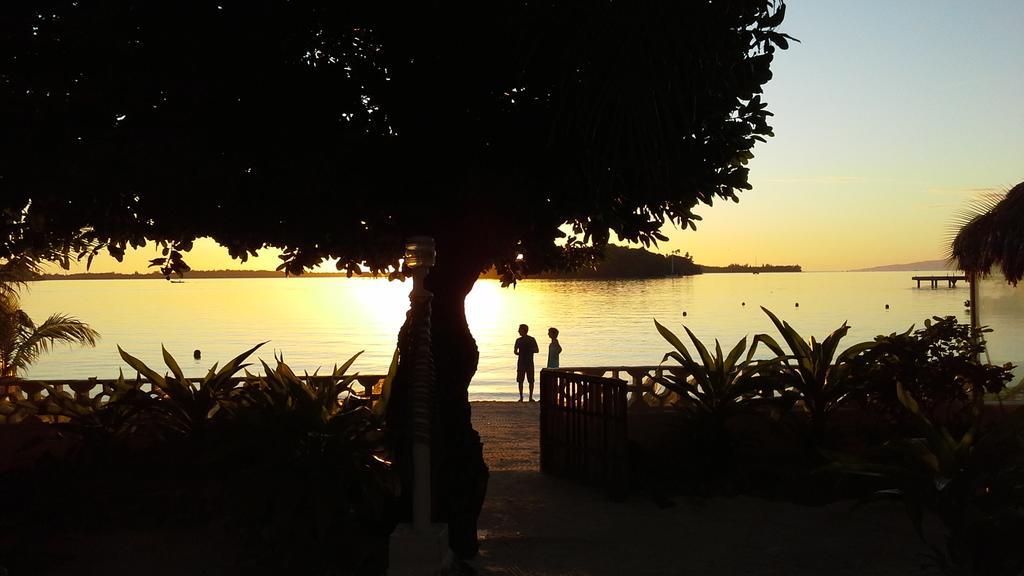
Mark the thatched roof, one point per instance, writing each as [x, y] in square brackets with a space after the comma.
[992, 234]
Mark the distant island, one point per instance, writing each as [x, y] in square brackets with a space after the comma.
[923, 266]
[618, 262]
[621, 262]
[191, 274]
[748, 269]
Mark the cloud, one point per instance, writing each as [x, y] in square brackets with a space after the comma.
[817, 180]
[967, 191]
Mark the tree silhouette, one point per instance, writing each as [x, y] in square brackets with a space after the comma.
[22, 341]
[336, 129]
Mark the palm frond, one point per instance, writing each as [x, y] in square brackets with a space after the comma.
[988, 233]
[58, 328]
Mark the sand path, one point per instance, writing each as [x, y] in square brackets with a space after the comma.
[536, 525]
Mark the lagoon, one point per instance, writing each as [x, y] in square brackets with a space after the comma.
[318, 322]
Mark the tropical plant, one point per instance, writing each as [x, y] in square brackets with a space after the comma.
[316, 397]
[180, 405]
[312, 431]
[719, 396]
[937, 365]
[972, 482]
[815, 371]
[286, 467]
[22, 341]
[717, 385]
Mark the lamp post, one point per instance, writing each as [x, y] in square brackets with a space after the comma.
[419, 257]
[420, 548]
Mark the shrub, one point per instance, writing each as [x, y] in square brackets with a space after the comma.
[816, 372]
[719, 397]
[973, 483]
[275, 470]
[938, 365]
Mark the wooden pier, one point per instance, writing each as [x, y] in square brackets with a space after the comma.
[952, 280]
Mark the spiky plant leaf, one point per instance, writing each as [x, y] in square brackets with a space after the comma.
[672, 339]
[172, 364]
[142, 369]
[702, 350]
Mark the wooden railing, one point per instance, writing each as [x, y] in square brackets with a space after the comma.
[28, 398]
[583, 434]
[642, 389]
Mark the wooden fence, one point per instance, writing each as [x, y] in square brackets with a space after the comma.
[583, 433]
[642, 389]
[28, 398]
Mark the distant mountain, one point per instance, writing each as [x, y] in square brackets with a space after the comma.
[926, 265]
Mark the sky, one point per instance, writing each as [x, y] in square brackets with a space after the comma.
[890, 115]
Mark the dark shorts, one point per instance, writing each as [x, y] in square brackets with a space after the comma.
[524, 371]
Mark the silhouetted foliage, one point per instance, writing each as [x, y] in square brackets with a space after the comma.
[623, 262]
[747, 268]
[971, 481]
[266, 475]
[714, 390]
[336, 129]
[816, 372]
[939, 365]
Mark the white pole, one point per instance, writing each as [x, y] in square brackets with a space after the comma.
[421, 412]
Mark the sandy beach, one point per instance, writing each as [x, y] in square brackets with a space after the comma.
[510, 434]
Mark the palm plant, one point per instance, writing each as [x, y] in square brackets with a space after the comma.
[814, 371]
[22, 341]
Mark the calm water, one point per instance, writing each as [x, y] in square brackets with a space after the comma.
[322, 321]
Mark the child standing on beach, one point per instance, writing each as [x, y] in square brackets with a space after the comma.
[526, 347]
[554, 348]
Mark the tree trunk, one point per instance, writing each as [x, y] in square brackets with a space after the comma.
[461, 480]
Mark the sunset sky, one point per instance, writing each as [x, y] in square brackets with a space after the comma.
[889, 116]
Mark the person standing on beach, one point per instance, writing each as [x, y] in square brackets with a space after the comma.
[554, 348]
[526, 347]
